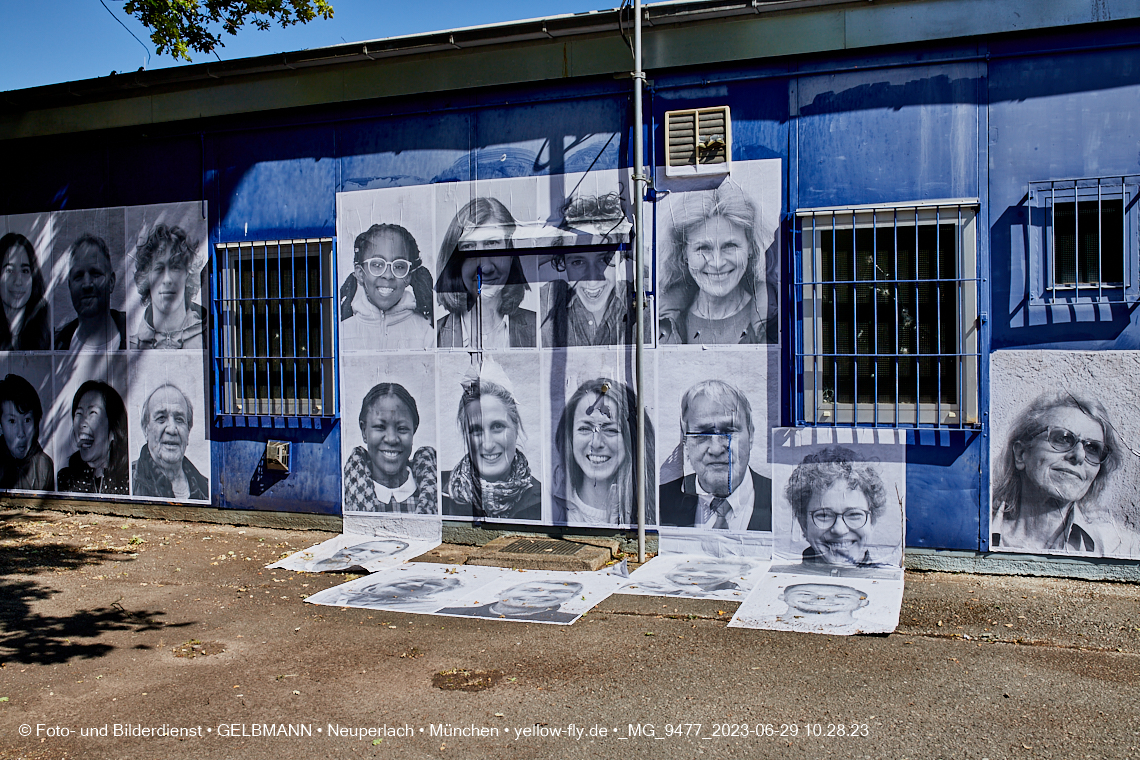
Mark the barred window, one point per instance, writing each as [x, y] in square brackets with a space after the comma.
[887, 315]
[1083, 240]
[274, 305]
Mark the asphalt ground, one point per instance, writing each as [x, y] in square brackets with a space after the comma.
[111, 625]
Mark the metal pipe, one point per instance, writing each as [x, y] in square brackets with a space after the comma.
[639, 190]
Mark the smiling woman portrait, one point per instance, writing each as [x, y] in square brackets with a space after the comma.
[25, 326]
[167, 277]
[719, 279]
[1060, 454]
[99, 431]
[384, 475]
[837, 499]
[595, 447]
[493, 479]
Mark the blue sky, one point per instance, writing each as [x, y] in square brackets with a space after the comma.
[48, 41]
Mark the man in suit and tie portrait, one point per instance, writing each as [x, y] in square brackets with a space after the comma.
[721, 492]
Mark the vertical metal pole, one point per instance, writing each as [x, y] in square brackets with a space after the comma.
[639, 188]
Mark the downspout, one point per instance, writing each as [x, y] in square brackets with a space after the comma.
[639, 189]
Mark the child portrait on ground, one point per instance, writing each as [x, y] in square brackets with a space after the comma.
[385, 304]
[595, 451]
[483, 292]
[26, 325]
[384, 475]
[167, 277]
[23, 463]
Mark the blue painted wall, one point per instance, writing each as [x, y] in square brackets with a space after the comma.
[953, 121]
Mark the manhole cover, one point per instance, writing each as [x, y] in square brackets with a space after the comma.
[530, 546]
[458, 679]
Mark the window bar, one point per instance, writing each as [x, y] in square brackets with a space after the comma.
[281, 328]
[854, 321]
[960, 286]
[1124, 235]
[293, 319]
[1051, 221]
[875, 314]
[817, 322]
[240, 342]
[895, 298]
[1099, 242]
[308, 338]
[1076, 241]
[835, 331]
[267, 402]
[917, 334]
[938, 313]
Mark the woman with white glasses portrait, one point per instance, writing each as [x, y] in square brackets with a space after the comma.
[386, 304]
[1059, 456]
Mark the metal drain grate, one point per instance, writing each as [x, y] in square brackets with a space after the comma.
[528, 546]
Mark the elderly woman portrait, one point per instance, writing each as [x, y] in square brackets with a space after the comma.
[595, 448]
[718, 283]
[99, 431]
[493, 479]
[26, 326]
[357, 555]
[537, 601]
[23, 463]
[836, 499]
[384, 475]
[386, 301]
[407, 594]
[1060, 454]
[594, 305]
[167, 276]
[481, 290]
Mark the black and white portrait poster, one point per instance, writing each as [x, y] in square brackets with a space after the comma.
[386, 259]
[697, 576]
[167, 253]
[412, 587]
[718, 257]
[1064, 462]
[355, 552]
[492, 437]
[592, 419]
[838, 497]
[170, 421]
[535, 596]
[92, 423]
[26, 426]
[390, 476]
[26, 273]
[90, 280]
[714, 413]
[820, 604]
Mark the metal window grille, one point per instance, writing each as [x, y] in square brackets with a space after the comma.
[274, 315]
[1083, 240]
[887, 315]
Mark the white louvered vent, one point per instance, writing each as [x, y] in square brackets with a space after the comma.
[698, 142]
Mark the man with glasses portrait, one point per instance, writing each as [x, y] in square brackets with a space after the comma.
[722, 492]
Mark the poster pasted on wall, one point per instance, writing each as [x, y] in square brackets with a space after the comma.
[103, 346]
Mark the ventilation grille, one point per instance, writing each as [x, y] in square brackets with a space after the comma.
[699, 138]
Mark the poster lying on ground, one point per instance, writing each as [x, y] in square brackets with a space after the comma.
[821, 604]
[1064, 465]
[350, 552]
[838, 517]
[696, 576]
[494, 593]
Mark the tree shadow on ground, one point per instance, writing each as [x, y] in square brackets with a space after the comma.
[30, 637]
